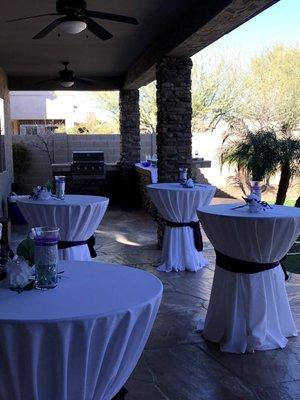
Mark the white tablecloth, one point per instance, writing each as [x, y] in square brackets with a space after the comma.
[151, 169]
[249, 312]
[178, 204]
[77, 217]
[79, 341]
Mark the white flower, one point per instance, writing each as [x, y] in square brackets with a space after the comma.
[190, 183]
[18, 273]
[44, 194]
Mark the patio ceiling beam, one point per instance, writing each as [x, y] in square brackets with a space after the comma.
[202, 25]
[31, 83]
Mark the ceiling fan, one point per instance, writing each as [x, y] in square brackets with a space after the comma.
[67, 78]
[74, 18]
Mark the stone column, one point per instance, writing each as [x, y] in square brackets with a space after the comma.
[129, 128]
[130, 148]
[174, 115]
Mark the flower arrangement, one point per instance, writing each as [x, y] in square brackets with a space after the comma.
[255, 205]
[18, 276]
[189, 183]
[41, 193]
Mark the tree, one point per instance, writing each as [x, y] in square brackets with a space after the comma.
[42, 144]
[271, 103]
[272, 89]
[260, 155]
[148, 108]
[108, 102]
[217, 94]
[289, 161]
[21, 160]
[252, 153]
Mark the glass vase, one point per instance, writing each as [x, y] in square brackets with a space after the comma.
[256, 189]
[60, 185]
[182, 174]
[45, 256]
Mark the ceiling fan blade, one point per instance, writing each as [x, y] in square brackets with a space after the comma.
[46, 80]
[97, 30]
[89, 82]
[49, 28]
[34, 16]
[112, 17]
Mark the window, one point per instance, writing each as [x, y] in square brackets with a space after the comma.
[28, 129]
[50, 128]
[37, 127]
[2, 137]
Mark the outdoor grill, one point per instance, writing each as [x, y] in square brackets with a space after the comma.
[88, 163]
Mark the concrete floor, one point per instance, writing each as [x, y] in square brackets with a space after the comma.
[177, 364]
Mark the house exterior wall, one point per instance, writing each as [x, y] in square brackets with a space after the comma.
[43, 105]
[7, 175]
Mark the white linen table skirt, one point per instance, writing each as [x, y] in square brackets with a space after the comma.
[249, 312]
[79, 341]
[178, 204]
[151, 169]
[77, 218]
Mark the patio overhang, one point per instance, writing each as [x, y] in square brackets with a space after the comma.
[128, 60]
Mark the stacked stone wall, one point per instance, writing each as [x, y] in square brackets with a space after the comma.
[174, 114]
[129, 128]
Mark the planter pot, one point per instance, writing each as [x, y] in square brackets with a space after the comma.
[14, 212]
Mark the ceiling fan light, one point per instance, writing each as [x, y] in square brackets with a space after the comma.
[73, 27]
[67, 84]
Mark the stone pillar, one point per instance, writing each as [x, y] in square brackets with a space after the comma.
[174, 115]
[174, 120]
[130, 148]
[129, 128]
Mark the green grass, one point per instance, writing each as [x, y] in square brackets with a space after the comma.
[288, 202]
[292, 260]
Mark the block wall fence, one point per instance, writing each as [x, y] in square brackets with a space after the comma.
[61, 147]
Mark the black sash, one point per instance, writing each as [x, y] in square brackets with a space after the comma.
[244, 267]
[196, 231]
[63, 244]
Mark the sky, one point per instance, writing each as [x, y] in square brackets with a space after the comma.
[277, 24]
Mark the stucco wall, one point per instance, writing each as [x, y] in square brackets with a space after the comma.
[6, 176]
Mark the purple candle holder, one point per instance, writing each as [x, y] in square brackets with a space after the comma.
[45, 256]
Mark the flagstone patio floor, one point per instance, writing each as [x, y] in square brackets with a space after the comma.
[177, 364]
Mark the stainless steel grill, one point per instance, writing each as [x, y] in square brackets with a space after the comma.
[88, 163]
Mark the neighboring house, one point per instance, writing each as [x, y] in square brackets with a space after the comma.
[42, 112]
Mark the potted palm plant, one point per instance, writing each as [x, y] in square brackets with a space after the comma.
[261, 154]
[254, 153]
[21, 163]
